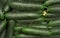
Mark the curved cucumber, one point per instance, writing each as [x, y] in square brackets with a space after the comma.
[22, 16]
[26, 7]
[26, 36]
[35, 31]
[51, 2]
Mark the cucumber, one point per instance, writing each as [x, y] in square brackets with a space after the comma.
[35, 31]
[26, 7]
[55, 31]
[29, 1]
[3, 34]
[57, 5]
[22, 16]
[2, 26]
[34, 27]
[50, 15]
[54, 23]
[40, 27]
[55, 36]
[54, 10]
[29, 21]
[26, 36]
[10, 30]
[51, 2]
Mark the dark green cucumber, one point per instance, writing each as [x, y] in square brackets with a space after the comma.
[51, 2]
[29, 1]
[22, 16]
[2, 26]
[29, 21]
[34, 27]
[3, 34]
[26, 36]
[55, 31]
[55, 36]
[10, 30]
[54, 23]
[26, 7]
[35, 31]
[50, 15]
[57, 5]
[54, 10]
[39, 27]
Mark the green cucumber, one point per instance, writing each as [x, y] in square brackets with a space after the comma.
[29, 1]
[10, 30]
[29, 21]
[26, 36]
[54, 10]
[35, 31]
[54, 23]
[34, 27]
[3, 34]
[26, 7]
[51, 2]
[2, 26]
[55, 31]
[50, 15]
[57, 5]
[22, 16]
[39, 27]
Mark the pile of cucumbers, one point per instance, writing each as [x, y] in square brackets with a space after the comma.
[30, 19]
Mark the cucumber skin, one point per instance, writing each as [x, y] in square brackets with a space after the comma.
[29, 1]
[26, 7]
[22, 16]
[51, 2]
[55, 23]
[26, 36]
[35, 32]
